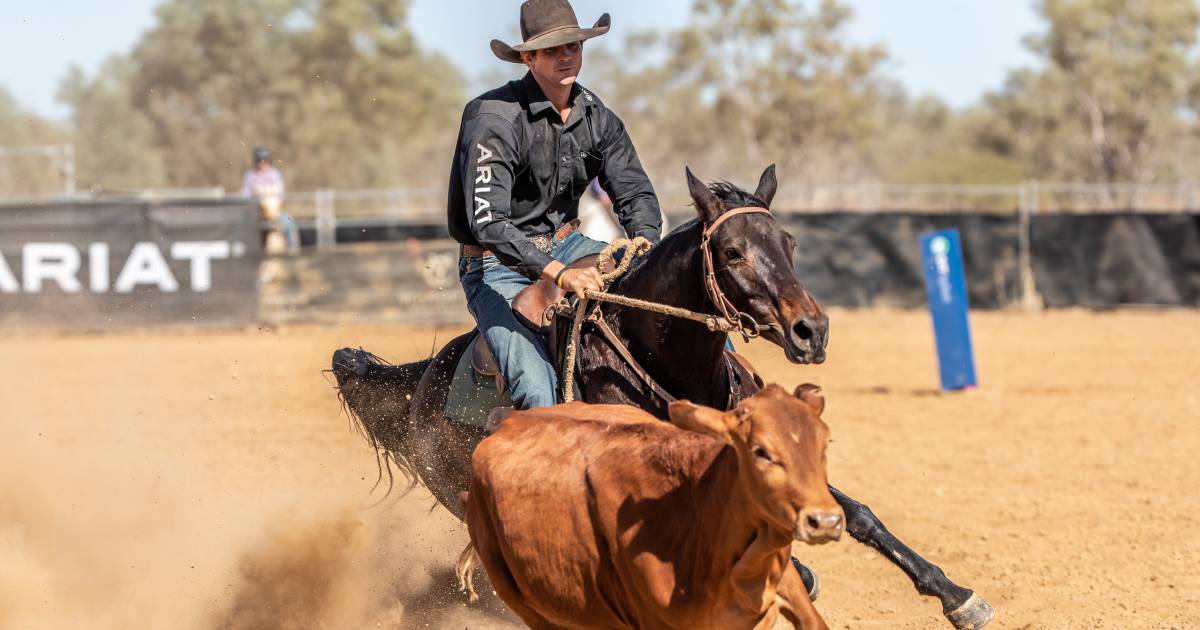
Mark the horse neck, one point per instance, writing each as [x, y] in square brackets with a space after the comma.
[687, 357]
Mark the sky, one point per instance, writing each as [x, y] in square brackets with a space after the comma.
[954, 49]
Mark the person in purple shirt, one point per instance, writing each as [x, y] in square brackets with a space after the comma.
[264, 182]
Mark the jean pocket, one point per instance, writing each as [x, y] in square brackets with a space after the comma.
[488, 263]
[467, 266]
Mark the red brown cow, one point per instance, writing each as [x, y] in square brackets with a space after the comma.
[601, 516]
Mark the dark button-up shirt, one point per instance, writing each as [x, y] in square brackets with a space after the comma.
[519, 171]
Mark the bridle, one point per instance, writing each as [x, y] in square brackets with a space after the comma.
[738, 320]
[729, 319]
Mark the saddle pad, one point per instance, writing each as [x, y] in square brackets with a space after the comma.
[473, 396]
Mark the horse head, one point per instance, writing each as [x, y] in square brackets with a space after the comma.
[752, 257]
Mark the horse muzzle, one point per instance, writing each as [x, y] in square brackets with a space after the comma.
[804, 340]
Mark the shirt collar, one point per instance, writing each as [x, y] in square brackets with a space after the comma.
[538, 102]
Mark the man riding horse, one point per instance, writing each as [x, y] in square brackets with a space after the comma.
[526, 153]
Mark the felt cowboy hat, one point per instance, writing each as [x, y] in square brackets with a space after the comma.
[546, 24]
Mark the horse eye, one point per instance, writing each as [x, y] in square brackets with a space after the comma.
[761, 453]
[732, 254]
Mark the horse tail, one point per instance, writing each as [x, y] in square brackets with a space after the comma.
[377, 396]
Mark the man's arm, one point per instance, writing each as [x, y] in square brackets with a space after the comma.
[488, 151]
[625, 181]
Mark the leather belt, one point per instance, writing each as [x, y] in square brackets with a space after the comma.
[543, 242]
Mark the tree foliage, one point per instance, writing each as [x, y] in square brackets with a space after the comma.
[27, 175]
[746, 83]
[337, 88]
[344, 96]
[1107, 104]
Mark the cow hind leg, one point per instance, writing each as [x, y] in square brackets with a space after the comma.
[962, 607]
[468, 560]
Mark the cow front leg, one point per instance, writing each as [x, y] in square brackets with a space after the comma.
[962, 607]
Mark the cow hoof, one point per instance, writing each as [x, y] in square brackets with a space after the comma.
[974, 614]
[810, 579]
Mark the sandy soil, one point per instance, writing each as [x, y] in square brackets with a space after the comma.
[209, 480]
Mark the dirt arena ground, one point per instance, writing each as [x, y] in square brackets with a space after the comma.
[209, 479]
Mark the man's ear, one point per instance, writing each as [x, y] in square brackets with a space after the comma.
[767, 186]
[810, 395]
[699, 419]
[707, 204]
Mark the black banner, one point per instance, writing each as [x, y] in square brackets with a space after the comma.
[862, 259]
[1107, 260]
[95, 265]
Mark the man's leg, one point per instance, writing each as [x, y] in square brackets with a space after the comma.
[519, 352]
[576, 246]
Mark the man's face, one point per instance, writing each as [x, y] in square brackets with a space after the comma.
[559, 65]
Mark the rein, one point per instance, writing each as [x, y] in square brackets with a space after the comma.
[729, 320]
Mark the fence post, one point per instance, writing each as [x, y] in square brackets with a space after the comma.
[326, 219]
[1027, 204]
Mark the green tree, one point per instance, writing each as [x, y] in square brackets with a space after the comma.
[337, 88]
[1106, 104]
[27, 175]
[747, 83]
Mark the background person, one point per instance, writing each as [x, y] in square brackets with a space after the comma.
[264, 182]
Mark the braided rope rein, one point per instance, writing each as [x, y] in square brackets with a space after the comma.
[633, 248]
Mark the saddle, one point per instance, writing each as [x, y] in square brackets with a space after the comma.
[532, 307]
[541, 307]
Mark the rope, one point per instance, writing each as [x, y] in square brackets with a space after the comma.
[633, 248]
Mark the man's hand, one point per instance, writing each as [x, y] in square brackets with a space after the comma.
[574, 280]
[577, 280]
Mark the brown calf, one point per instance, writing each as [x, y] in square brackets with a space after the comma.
[601, 516]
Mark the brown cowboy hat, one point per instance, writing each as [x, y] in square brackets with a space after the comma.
[546, 24]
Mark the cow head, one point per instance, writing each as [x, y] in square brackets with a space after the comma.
[780, 443]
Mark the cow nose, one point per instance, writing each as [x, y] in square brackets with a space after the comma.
[822, 526]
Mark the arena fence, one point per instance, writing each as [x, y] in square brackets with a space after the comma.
[150, 259]
[129, 262]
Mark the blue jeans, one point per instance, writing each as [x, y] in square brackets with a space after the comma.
[520, 353]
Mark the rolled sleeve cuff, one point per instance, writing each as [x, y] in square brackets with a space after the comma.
[534, 263]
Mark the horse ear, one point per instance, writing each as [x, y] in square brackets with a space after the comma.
[699, 419]
[767, 185]
[810, 395]
[707, 204]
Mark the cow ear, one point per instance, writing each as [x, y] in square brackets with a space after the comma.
[699, 419]
[767, 185]
[707, 204]
[810, 395]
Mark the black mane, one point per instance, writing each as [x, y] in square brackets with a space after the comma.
[735, 197]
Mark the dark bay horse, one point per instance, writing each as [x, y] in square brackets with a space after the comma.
[400, 408]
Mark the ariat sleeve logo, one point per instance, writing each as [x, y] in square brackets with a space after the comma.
[483, 175]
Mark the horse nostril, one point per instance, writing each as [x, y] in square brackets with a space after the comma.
[803, 330]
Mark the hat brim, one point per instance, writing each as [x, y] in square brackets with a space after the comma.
[557, 37]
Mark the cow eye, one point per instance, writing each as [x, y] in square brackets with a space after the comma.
[761, 453]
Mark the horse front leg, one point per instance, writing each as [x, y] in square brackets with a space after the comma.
[962, 607]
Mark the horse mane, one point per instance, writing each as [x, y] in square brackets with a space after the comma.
[734, 196]
[730, 194]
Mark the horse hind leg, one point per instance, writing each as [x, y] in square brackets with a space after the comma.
[962, 607]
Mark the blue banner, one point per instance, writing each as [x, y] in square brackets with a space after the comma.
[946, 286]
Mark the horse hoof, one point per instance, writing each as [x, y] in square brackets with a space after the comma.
[974, 614]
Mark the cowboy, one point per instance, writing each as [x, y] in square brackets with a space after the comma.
[526, 153]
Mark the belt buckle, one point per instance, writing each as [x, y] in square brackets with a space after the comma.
[543, 242]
